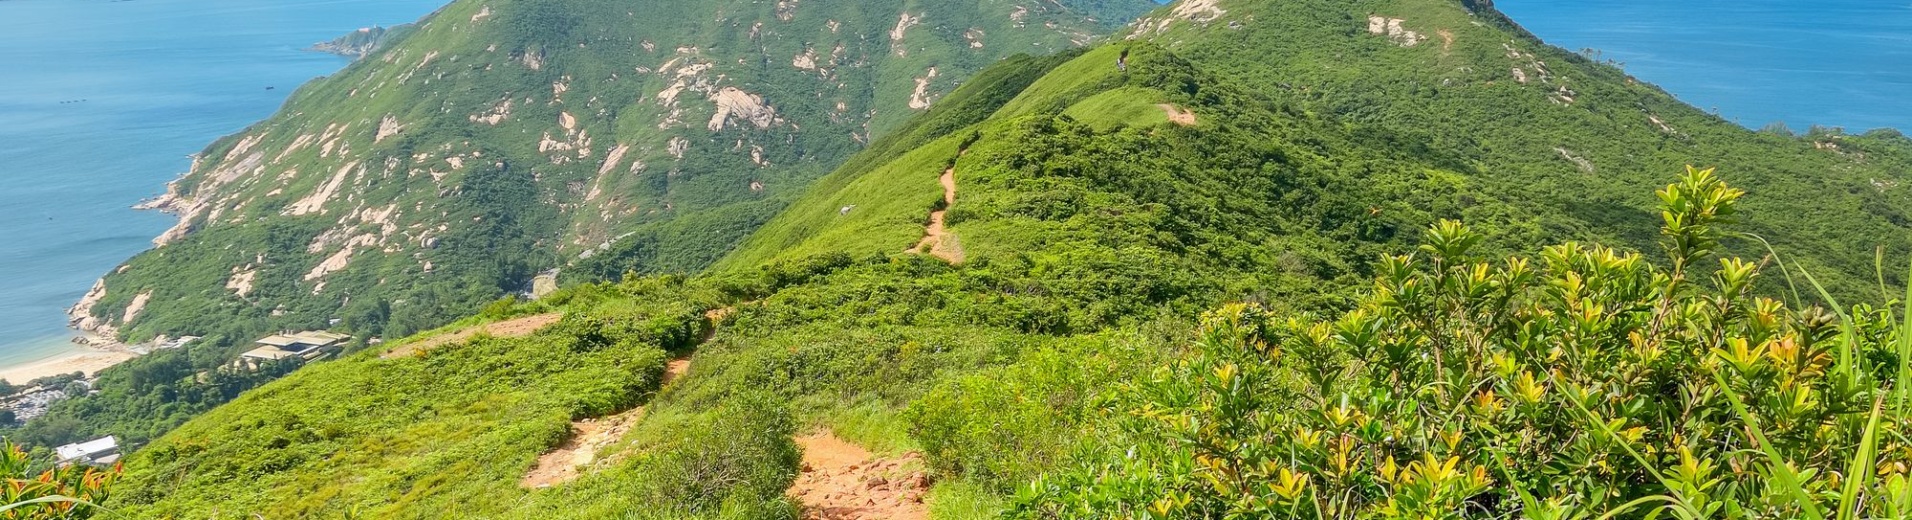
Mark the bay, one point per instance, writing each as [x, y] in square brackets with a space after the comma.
[1843, 63]
[102, 101]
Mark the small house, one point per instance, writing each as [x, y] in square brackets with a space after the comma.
[306, 345]
[103, 451]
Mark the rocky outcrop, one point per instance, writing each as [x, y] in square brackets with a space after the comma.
[363, 42]
[1393, 29]
[81, 317]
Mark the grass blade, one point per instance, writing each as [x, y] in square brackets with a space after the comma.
[1860, 475]
[1848, 359]
[1786, 479]
[1677, 502]
[54, 499]
[1902, 386]
[1783, 270]
[1878, 269]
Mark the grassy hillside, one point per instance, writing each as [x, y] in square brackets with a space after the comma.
[1205, 272]
[1581, 141]
[556, 132]
[500, 139]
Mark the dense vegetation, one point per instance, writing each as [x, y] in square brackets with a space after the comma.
[1269, 175]
[440, 174]
[1576, 140]
[29, 491]
[1579, 383]
[616, 124]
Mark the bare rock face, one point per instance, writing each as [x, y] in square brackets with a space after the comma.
[1186, 11]
[1393, 29]
[743, 106]
[80, 316]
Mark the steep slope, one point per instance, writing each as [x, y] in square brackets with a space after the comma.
[1580, 141]
[1102, 201]
[503, 138]
[496, 140]
[1466, 108]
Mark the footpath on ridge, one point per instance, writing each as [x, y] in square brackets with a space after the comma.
[843, 481]
[937, 240]
[513, 328]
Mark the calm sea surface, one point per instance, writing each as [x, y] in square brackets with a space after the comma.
[101, 101]
[1845, 63]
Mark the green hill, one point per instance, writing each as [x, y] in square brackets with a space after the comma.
[501, 139]
[497, 140]
[1005, 285]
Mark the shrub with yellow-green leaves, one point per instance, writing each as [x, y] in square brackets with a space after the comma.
[1584, 383]
[64, 492]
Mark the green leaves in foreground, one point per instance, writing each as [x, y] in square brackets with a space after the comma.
[67, 492]
[1585, 383]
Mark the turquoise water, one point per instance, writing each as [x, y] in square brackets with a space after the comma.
[101, 102]
[1845, 63]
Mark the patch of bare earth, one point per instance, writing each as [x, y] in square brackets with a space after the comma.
[842, 481]
[515, 328]
[937, 240]
[1178, 115]
[590, 436]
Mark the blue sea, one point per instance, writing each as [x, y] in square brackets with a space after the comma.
[1843, 63]
[101, 102]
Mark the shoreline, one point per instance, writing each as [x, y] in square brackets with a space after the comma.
[90, 358]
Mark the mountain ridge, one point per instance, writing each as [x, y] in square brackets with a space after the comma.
[501, 139]
[1300, 156]
[233, 174]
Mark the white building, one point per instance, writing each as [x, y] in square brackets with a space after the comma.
[103, 451]
[306, 345]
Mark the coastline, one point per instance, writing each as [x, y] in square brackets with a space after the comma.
[90, 358]
[72, 227]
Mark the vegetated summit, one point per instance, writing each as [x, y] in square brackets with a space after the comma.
[504, 138]
[995, 299]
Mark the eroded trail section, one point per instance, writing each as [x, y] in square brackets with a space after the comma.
[514, 328]
[591, 436]
[842, 481]
[937, 240]
[1177, 115]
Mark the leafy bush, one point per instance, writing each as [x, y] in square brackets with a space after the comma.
[1586, 382]
[1006, 425]
[66, 493]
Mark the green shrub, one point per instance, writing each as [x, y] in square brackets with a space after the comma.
[66, 493]
[729, 461]
[1581, 383]
[1004, 426]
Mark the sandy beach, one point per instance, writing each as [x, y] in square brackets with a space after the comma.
[84, 359]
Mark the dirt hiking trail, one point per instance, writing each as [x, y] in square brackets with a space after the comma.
[937, 240]
[569, 460]
[513, 328]
[1178, 115]
[843, 481]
